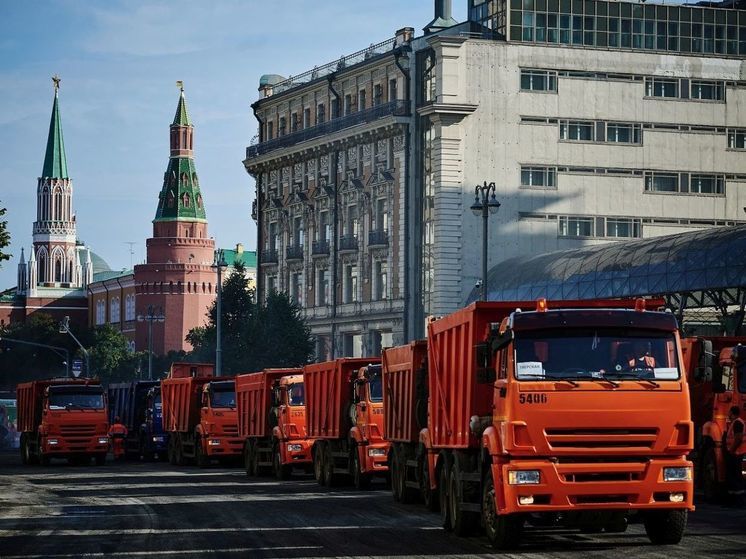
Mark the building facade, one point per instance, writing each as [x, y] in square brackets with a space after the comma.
[330, 169]
[597, 121]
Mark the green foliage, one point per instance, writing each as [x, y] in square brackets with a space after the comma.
[254, 336]
[4, 237]
[111, 359]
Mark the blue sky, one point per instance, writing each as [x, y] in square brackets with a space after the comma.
[119, 61]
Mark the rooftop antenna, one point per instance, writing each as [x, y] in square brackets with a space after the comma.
[132, 252]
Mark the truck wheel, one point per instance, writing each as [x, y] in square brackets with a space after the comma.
[199, 454]
[247, 457]
[25, 460]
[282, 471]
[172, 451]
[318, 464]
[394, 472]
[462, 522]
[503, 531]
[100, 459]
[429, 497]
[443, 496]
[330, 478]
[359, 479]
[179, 452]
[711, 486]
[665, 527]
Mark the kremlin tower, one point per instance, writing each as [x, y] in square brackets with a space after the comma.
[177, 279]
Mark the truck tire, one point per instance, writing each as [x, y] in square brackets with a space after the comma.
[247, 457]
[282, 471]
[172, 450]
[429, 497]
[179, 451]
[360, 480]
[503, 531]
[330, 478]
[665, 527]
[200, 457]
[318, 463]
[100, 459]
[394, 472]
[24, 450]
[462, 522]
[443, 496]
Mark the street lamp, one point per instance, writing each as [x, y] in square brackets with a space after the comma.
[65, 329]
[484, 205]
[219, 265]
[150, 318]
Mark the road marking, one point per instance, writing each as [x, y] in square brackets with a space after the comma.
[180, 552]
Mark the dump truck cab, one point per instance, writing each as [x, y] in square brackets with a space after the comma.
[218, 426]
[292, 445]
[367, 420]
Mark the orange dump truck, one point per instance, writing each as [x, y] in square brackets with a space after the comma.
[63, 418]
[716, 370]
[272, 422]
[199, 414]
[344, 414]
[576, 415]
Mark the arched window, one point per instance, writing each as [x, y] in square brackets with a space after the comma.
[170, 287]
[57, 197]
[185, 200]
[203, 287]
[43, 273]
[170, 199]
[57, 270]
[199, 201]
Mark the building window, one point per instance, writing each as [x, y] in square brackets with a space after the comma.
[393, 93]
[115, 313]
[622, 227]
[296, 287]
[348, 104]
[306, 118]
[538, 80]
[132, 347]
[377, 94]
[270, 130]
[707, 90]
[623, 133]
[707, 184]
[320, 113]
[661, 87]
[539, 177]
[352, 345]
[662, 182]
[322, 287]
[737, 139]
[380, 280]
[282, 128]
[381, 216]
[576, 130]
[100, 311]
[571, 226]
[294, 122]
[271, 283]
[429, 78]
[361, 100]
[350, 284]
[334, 109]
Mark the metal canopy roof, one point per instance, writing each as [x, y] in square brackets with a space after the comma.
[705, 268]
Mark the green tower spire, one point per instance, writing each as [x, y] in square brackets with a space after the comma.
[181, 118]
[55, 162]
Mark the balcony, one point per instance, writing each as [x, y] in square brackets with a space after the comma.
[269, 257]
[378, 239]
[320, 248]
[348, 243]
[294, 253]
[399, 107]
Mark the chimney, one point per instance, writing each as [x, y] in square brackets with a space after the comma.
[443, 9]
[443, 17]
[239, 248]
[403, 36]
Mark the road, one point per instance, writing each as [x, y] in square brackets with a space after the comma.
[124, 510]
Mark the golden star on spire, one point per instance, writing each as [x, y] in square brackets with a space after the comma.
[180, 84]
[56, 79]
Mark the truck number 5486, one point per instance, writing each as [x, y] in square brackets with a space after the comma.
[533, 398]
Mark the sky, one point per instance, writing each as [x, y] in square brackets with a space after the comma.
[119, 62]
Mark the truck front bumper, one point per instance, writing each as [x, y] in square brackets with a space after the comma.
[59, 445]
[592, 486]
[223, 446]
[375, 457]
[297, 451]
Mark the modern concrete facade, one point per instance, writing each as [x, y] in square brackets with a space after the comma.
[597, 121]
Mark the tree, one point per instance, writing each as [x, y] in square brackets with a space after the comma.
[254, 336]
[110, 357]
[4, 237]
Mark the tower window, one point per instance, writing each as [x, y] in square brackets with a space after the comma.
[185, 201]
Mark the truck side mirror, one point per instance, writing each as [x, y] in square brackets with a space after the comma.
[485, 373]
[205, 399]
[704, 369]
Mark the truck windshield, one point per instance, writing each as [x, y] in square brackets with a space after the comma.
[223, 397]
[296, 394]
[376, 387]
[580, 353]
[61, 398]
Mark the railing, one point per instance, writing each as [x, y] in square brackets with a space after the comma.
[400, 107]
[269, 256]
[335, 66]
[320, 248]
[294, 253]
[348, 243]
[378, 238]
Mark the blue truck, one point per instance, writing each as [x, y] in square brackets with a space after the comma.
[138, 406]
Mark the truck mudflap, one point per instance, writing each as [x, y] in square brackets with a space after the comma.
[59, 445]
[591, 486]
[296, 451]
[224, 446]
[375, 457]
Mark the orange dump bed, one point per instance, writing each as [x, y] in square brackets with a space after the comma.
[328, 388]
[404, 369]
[254, 400]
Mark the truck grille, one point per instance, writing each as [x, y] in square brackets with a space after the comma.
[633, 438]
[78, 437]
[230, 429]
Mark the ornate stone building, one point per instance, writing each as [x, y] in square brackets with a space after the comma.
[331, 172]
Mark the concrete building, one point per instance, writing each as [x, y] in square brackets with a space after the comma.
[597, 121]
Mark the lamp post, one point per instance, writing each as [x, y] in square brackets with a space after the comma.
[150, 318]
[219, 265]
[485, 203]
[65, 329]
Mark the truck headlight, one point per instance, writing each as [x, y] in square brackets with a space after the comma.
[103, 440]
[376, 452]
[213, 442]
[677, 474]
[295, 447]
[524, 477]
[52, 441]
[158, 439]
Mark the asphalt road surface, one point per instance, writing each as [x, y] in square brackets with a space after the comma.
[155, 510]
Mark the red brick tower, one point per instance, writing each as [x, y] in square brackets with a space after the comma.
[177, 278]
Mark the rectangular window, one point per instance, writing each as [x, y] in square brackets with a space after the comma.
[623, 133]
[539, 177]
[377, 94]
[334, 111]
[662, 182]
[270, 130]
[320, 113]
[353, 345]
[393, 94]
[296, 287]
[322, 288]
[380, 217]
[294, 122]
[707, 184]
[348, 104]
[271, 283]
[361, 100]
[661, 87]
[576, 130]
[306, 118]
[623, 227]
[350, 284]
[380, 280]
[737, 139]
[538, 80]
[708, 90]
[282, 128]
[323, 231]
[570, 226]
